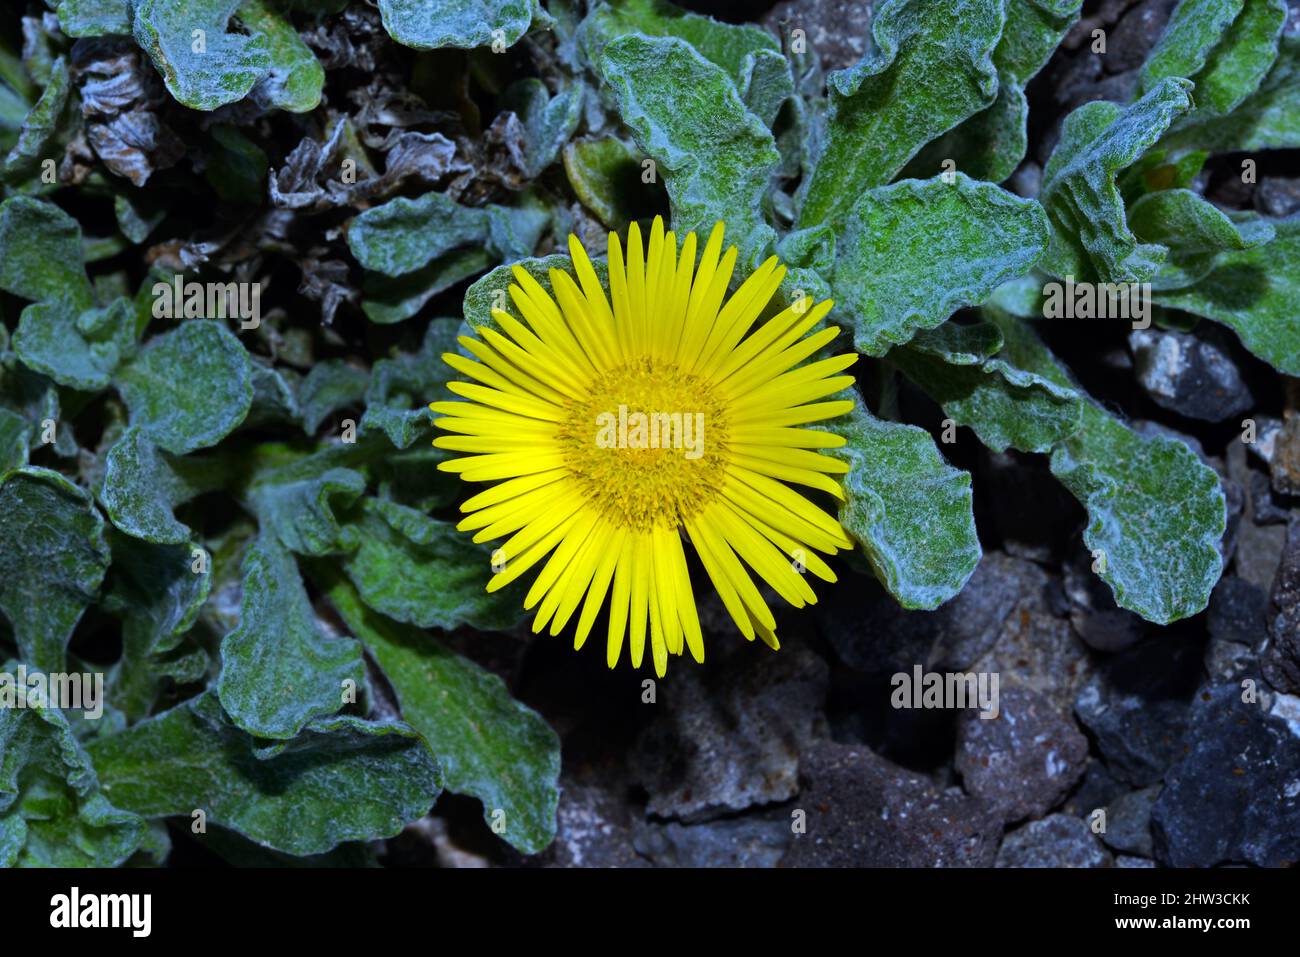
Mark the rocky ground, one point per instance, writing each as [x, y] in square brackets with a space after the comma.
[1187, 737]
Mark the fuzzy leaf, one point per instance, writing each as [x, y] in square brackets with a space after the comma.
[931, 67]
[142, 486]
[331, 385]
[404, 234]
[431, 24]
[908, 509]
[1193, 30]
[489, 745]
[94, 18]
[1156, 513]
[606, 176]
[715, 156]
[1253, 292]
[422, 571]
[342, 779]
[202, 65]
[53, 812]
[913, 253]
[279, 669]
[1194, 231]
[1005, 406]
[296, 77]
[1090, 236]
[548, 121]
[1239, 64]
[991, 144]
[189, 388]
[53, 556]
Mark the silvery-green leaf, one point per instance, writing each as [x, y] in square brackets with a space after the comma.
[342, 779]
[202, 64]
[94, 18]
[53, 811]
[15, 440]
[300, 504]
[1090, 235]
[990, 144]
[77, 350]
[422, 571]
[1194, 29]
[1254, 292]
[1267, 119]
[330, 385]
[190, 387]
[1006, 407]
[397, 402]
[911, 254]
[715, 156]
[157, 592]
[279, 668]
[296, 77]
[431, 24]
[1239, 64]
[1156, 513]
[53, 556]
[404, 234]
[908, 509]
[36, 140]
[489, 745]
[390, 299]
[1194, 231]
[606, 176]
[930, 67]
[548, 121]
[142, 486]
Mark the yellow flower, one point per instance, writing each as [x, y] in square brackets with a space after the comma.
[608, 426]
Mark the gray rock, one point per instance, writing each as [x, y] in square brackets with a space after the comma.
[1098, 789]
[1128, 822]
[1136, 707]
[872, 634]
[1265, 507]
[863, 811]
[1281, 660]
[1284, 463]
[838, 31]
[1030, 512]
[593, 827]
[1124, 860]
[734, 842]
[1024, 761]
[728, 737]
[1235, 796]
[1059, 840]
[1191, 373]
[1039, 651]
[1237, 624]
[1277, 196]
[1259, 549]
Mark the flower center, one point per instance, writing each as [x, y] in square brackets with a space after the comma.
[647, 444]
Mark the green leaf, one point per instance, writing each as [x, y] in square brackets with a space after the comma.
[40, 253]
[397, 402]
[432, 24]
[202, 65]
[94, 18]
[53, 812]
[142, 486]
[188, 388]
[157, 592]
[715, 156]
[1253, 291]
[53, 556]
[606, 176]
[931, 67]
[300, 504]
[909, 509]
[15, 440]
[489, 745]
[296, 77]
[236, 166]
[1194, 231]
[77, 350]
[990, 144]
[392, 299]
[422, 571]
[279, 669]
[750, 56]
[1239, 64]
[548, 121]
[36, 140]
[1090, 236]
[404, 234]
[1005, 406]
[1193, 31]
[1156, 513]
[331, 385]
[1267, 119]
[342, 779]
[911, 254]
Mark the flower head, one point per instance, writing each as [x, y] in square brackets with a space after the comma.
[609, 425]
